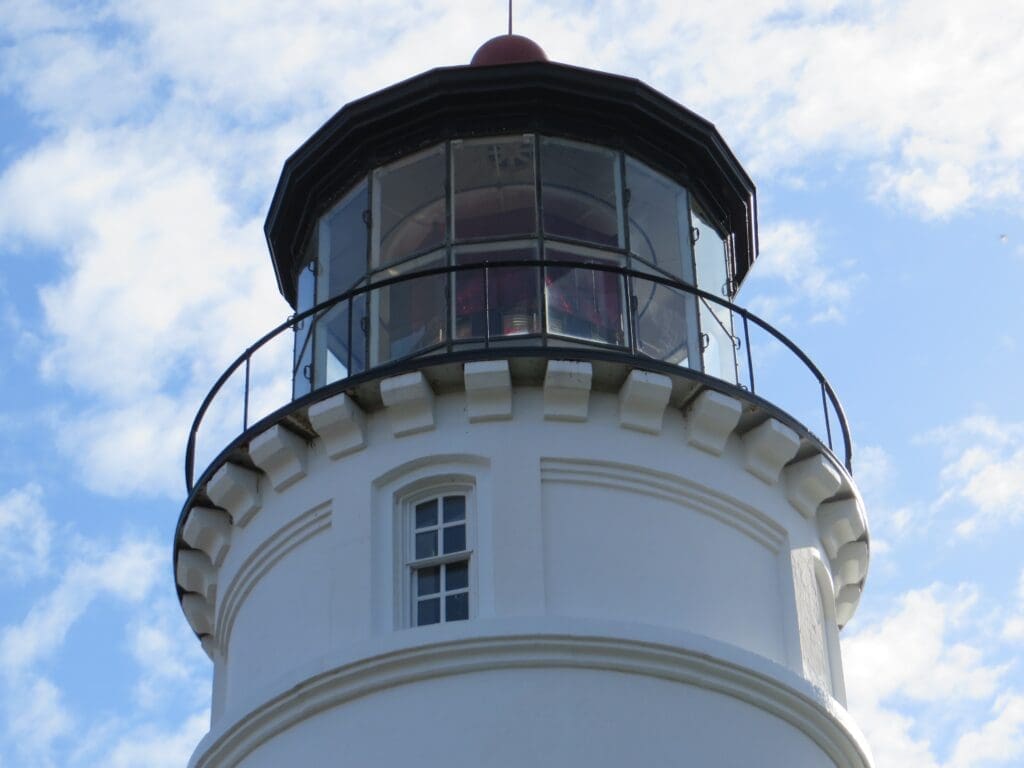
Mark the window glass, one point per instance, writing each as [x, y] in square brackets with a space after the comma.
[409, 207]
[302, 380]
[343, 234]
[494, 188]
[581, 192]
[719, 351]
[409, 316]
[496, 301]
[659, 224]
[585, 304]
[666, 322]
[439, 579]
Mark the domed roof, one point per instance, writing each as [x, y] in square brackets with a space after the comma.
[507, 49]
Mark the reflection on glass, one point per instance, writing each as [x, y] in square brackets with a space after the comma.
[428, 581]
[428, 611]
[454, 508]
[332, 344]
[494, 188]
[426, 514]
[581, 192]
[456, 576]
[719, 353]
[665, 322]
[585, 304]
[456, 607]
[409, 207]
[343, 234]
[408, 317]
[659, 221]
[426, 544]
[454, 539]
[302, 359]
[496, 301]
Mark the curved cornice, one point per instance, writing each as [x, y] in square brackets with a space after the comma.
[682, 658]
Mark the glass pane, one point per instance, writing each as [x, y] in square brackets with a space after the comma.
[426, 544]
[428, 581]
[332, 338]
[343, 235]
[428, 611]
[586, 304]
[360, 327]
[426, 514]
[512, 305]
[456, 576]
[409, 316]
[659, 222]
[456, 607]
[581, 192]
[715, 319]
[494, 187]
[302, 381]
[409, 207]
[454, 539]
[454, 508]
[666, 322]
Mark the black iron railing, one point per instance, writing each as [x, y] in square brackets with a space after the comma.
[512, 308]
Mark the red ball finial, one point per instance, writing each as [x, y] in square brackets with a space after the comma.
[507, 49]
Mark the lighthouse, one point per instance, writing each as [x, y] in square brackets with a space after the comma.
[520, 482]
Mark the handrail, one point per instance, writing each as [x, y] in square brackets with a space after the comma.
[828, 393]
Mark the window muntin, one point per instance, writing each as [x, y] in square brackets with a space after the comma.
[496, 301]
[439, 560]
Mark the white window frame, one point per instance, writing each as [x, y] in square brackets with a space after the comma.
[409, 564]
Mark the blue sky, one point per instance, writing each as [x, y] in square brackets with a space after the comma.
[140, 142]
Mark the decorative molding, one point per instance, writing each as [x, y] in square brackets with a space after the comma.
[567, 390]
[710, 420]
[840, 522]
[728, 673]
[340, 423]
[283, 541]
[850, 565]
[198, 612]
[236, 489]
[195, 573]
[846, 603]
[642, 401]
[488, 390]
[767, 447]
[410, 403]
[678, 490]
[281, 454]
[208, 530]
[809, 482]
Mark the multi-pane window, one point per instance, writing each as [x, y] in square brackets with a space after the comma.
[439, 567]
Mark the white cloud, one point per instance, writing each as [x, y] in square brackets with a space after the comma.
[36, 719]
[790, 257]
[984, 468]
[171, 663]
[127, 572]
[25, 534]
[924, 662]
[155, 747]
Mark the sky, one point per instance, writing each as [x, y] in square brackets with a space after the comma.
[140, 142]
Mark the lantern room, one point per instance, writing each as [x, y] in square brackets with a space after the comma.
[508, 207]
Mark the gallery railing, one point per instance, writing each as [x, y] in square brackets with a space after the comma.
[511, 308]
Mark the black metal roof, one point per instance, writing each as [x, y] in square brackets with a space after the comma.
[540, 97]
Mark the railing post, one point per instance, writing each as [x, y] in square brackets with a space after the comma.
[245, 401]
[750, 355]
[824, 407]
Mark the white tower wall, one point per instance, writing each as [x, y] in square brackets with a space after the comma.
[655, 578]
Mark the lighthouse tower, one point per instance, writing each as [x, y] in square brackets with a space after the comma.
[520, 483]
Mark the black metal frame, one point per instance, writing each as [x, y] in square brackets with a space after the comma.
[500, 346]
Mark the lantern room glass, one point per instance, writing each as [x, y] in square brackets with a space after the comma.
[516, 240]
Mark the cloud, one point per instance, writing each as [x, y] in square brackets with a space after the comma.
[172, 666]
[790, 260]
[127, 572]
[921, 662]
[36, 719]
[985, 469]
[25, 534]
